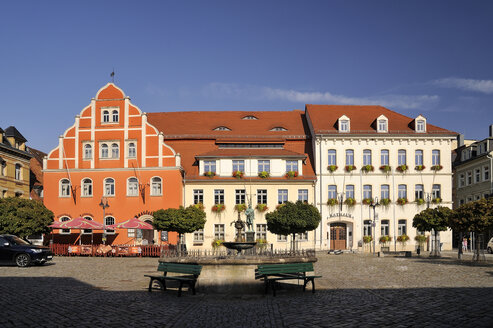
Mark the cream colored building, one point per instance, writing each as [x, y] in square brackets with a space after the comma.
[377, 138]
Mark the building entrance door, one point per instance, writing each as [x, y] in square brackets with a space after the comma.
[148, 235]
[338, 236]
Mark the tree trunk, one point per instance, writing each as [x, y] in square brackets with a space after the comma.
[477, 242]
[436, 251]
[293, 245]
[459, 251]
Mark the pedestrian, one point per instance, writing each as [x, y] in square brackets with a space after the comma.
[464, 244]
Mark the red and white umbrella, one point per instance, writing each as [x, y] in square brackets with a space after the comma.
[132, 223]
[55, 225]
[81, 223]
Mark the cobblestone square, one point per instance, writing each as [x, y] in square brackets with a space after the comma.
[356, 290]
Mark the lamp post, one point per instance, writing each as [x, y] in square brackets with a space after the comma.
[374, 203]
[104, 206]
[428, 199]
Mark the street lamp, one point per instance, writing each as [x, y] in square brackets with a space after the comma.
[104, 206]
[428, 199]
[374, 203]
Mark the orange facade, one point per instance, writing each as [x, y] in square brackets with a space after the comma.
[112, 155]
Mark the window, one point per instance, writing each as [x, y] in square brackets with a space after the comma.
[263, 166]
[332, 192]
[292, 166]
[109, 220]
[282, 196]
[477, 197]
[115, 152]
[419, 191]
[156, 186]
[461, 202]
[64, 219]
[486, 173]
[210, 166]
[239, 165]
[104, 151]
[282, 238]
[420, 126]
[222, 128]
[302, 236]
[115, 115]
[384, 228]
[349, 157]
[132, 187]
[382, 125]
[366, 228]
[131, 233]
[198, 236]
[198, 196]
[278, 128]
[401, 157]
[87, 151]
[109, 187]
[219, 231]
[418, 157]
[469, 177]
[402, 227]
[332, 160]
[462, 180]
[18, 172]
[240, 195]
[350, 191]
[87, 231]
[367, 157]
[385, 191]
[384, 157]
[132, 151]
[249, 117]
[261, 196]
[3, 169]
[436, 192]
[367, 192]
[402, 191]
[164, 236]
[218, 196]
[106, 116]
[261, 231]
[343, 125]
[435, 157]
[477, 175]
[303, 195]
[64, 188]
[87, 187]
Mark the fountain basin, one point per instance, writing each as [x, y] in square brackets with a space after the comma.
[238, 246]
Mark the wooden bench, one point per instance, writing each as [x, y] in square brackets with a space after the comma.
[191, 273]
[272, 273]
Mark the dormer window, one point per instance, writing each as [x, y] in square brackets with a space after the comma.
[344, 124]
[249, 117]
[222, 128]
[278, 128]
[420, 124]
[382, 124]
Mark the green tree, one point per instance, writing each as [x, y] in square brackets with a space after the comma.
[24, 217]
[181, 220]
[473, 217]
[293, 218]
[433, 219]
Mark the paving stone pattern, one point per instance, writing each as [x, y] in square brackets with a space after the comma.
[356, 290]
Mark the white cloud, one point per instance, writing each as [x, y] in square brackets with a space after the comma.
[422, 102]
[483, 86]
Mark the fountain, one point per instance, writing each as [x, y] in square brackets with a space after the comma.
[240, 243]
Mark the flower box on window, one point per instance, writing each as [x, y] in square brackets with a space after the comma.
[217, 243]
[420, 201]
[402, 168]
[240, 208]
[436, 167]
[367, 239]
[332, 202]
[200, 206]
[367, 201]
[419, 167]
[385, 239]
[350, 201]
[385, 168]
[261, 207]
[385, 201]
[349, 168]
[218, 208]
[332, 168]
[367, 168]
[291, 174]
[238, 174]
[210, 174]
[436, 200]
[264, 174]
[403, 239]
[402, 201]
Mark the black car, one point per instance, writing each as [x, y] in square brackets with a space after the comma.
[14, 250]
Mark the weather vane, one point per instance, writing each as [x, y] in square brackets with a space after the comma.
[113, 76]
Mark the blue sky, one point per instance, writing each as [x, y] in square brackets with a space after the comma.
[415, 57]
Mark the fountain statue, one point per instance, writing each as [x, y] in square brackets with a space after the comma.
[239, 244]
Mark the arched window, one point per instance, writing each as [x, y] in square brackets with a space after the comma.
[109, 220]
[115, 116]
[114, 151]
[109, 187]
[18, 172]
[132, 152]
[104, 151]
[132, 187]
[87, 187]
[87, 151]
[106, 116]
[87, 231]
[3, 168]
[64, 188]
[156, 186]
[64, 219]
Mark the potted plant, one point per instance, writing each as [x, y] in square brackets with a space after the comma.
[216, 243]
[240, 208]
[218, 208]
[350, 201]
[332, 202]
[209, 174]
[367, 168]
[367, 239]
[436, 167]
[403, 239]
[291, 174]
[349, 168]
[332, 168]
[385, 201]
[436, 200]
[264, 174]
[261, 207]
[367, 201]
[402, 168]
[419, 201]
[402, 200]
[419, 167]
[385, 168]
[238, 174]
[383, 243]
[200, 206]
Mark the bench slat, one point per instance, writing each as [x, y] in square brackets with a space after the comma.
[194, 269]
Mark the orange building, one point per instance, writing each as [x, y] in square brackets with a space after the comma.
[112, 155]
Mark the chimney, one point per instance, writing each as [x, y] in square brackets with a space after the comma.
[491, 131]
[460, 140]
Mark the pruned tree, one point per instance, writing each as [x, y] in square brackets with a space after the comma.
[475, 217]
[24, 217]
[433, 219]
[292, 218]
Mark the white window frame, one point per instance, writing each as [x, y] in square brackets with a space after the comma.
[107, 222]
[435, 157]
[115, 150]
[282, 196]
[332, 157]
[64, 190]
[132, 154]
[291, 165]
[132, 191]
[418, 157]
[104, 146]
[344, 124]
[210, 166]
[88, 151]
[87, 188]
[87, 231]
[263, 165]
[198, 236]
[219, 232]
[401, 157]
[261, 231]
[105, 184]
[303, 195]
[18, 171]
[367, 157]
[385, 191]
[349, 156]
[384, 157]
[486, 173]
[64, 231]
[198, 196]
[156, 186]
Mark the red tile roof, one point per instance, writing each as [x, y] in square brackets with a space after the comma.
[249, 152]
[362, 120]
